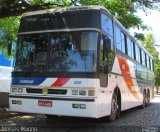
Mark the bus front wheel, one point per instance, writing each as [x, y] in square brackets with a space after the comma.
[115, 108]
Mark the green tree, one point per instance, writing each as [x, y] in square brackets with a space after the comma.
[149, 44]
[123, 10]
[8, 31]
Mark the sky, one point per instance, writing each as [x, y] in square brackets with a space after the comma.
[152, 19]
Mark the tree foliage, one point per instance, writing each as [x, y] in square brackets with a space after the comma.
[8, 31]
[123, 10]
[149, 44]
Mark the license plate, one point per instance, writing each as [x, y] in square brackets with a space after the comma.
[45, 103]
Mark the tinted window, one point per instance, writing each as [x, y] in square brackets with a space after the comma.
[107, 27]
[147, 61]
[143, 58]
[130, 48]
[120, 40]
[140, 56]
[64, 20]
[123, 42]
[151, 64]
[137, 53]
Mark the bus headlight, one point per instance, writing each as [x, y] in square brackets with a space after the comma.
[20, 90]
[82, 92]
[91, 93]
[14, 89]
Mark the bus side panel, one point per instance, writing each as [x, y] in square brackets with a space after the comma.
[124, 77]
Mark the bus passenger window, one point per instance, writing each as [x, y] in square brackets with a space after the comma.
[137, 53]
[140, 55]
[143, 57]
[147, 61]
[151, 64]
[107, 27]
[120, 40]
[130, 48]
[123, 48]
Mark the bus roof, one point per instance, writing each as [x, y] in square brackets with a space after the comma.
[72, 8]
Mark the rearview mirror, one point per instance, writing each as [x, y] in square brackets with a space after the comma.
[107, 45]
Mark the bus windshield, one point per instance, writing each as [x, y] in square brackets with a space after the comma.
[57, 52]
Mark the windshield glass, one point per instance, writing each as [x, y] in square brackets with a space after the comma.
[57, 52]
[63, 20]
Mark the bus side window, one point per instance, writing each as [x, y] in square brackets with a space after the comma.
[143, 58]
[137, 53]
[140, 55]
[107, 27]
[152, 68]
[106, 57]
[123, 41]
[151, 64]
[148, 61]
[120, 40]
[130, 48]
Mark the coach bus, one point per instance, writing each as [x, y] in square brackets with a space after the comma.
[81, 62]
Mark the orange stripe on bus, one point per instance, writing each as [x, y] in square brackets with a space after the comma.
[124, 66]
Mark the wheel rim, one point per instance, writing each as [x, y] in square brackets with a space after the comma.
[148, 98]
[114, 105]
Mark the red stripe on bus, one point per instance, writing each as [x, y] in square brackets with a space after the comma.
[124, 66]
[60, 82]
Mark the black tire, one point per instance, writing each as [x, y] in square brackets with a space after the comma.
[147, 98]
[119, 107]
[144, 100]
[115, 108]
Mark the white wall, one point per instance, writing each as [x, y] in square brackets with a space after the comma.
[5, 79]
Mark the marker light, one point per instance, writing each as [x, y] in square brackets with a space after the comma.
[91, 93]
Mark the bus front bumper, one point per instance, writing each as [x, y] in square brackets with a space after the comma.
[78, 107]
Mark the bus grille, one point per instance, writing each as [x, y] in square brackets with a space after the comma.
[50, 91]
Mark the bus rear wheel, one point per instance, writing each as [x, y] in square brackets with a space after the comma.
[115, 108]
[147, 98]
[144, 100]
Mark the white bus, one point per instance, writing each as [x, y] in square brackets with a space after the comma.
[81, 62]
